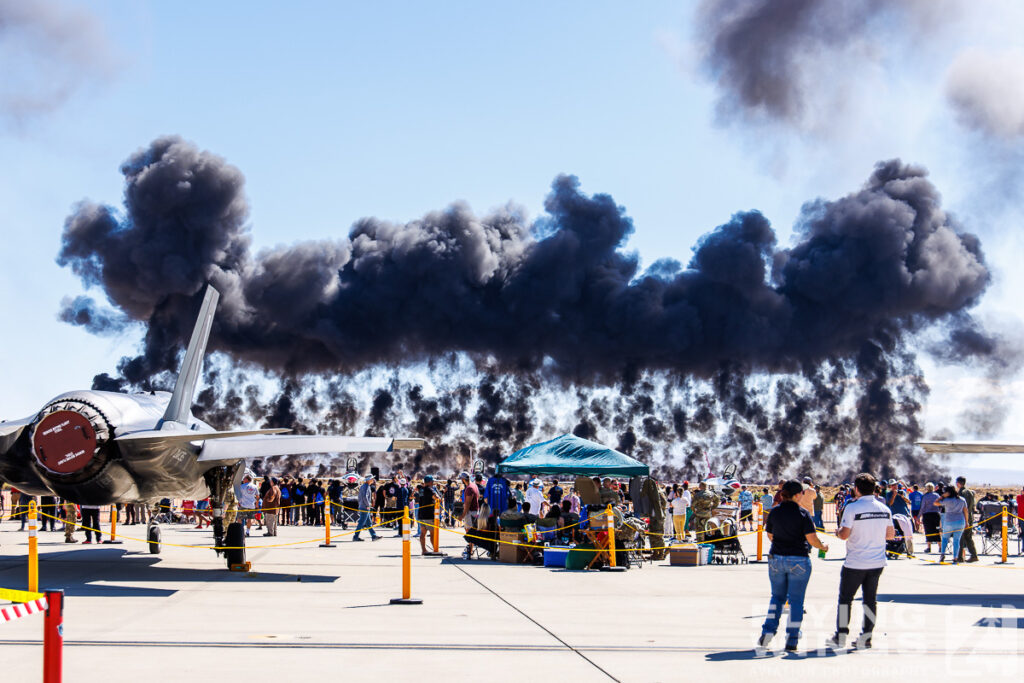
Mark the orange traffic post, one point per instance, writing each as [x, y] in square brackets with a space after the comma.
[760, 530]
[406, 598]
[327, 525]
[612, 565]
[113, 527]
[33, 550]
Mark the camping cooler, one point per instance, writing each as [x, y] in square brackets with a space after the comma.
[555, 556]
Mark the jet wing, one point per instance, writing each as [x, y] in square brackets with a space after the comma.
[157, 437]
[14, 426]
[10, 430]
[259, 446]
[970, 447]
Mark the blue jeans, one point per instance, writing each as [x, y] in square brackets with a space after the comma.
[365, 522]
[818, 523]
[789, 576]
[954, 531]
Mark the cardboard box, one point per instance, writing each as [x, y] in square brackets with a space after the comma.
[684, 556]
[512, 554]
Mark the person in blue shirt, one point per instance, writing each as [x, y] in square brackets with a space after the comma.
[746, 499]
[897, 500]
[915, 506]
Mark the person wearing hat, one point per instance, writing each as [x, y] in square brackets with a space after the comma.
[426, 498]
[365, 502]
[535, 496]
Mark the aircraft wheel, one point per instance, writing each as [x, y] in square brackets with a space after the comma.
[153, 536]
[234, 541]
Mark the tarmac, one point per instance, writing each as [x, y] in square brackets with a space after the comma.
[306, 611]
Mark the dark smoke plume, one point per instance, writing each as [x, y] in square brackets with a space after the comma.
[552, 305]
[766, 55]
[84, 312]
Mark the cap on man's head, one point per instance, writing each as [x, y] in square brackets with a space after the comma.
[807, 480]
[464, 475]
[429, 479]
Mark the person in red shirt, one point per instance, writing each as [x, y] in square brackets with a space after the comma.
[470, 507]
[777, 498]
[1020, 509]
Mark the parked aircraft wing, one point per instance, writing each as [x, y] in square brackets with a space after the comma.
[10, 430]
[298, 444]
[155, 436]
[970, 447]
[13, 426]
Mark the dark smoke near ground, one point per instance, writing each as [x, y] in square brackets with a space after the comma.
[766, 56]
[792, 357]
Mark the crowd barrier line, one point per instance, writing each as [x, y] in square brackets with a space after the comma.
[469, 535]
[929, 561]
[216, 547]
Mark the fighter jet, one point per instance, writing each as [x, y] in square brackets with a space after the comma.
[726, 485]
[101, 447]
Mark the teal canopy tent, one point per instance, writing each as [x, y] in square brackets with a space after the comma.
[570, 454]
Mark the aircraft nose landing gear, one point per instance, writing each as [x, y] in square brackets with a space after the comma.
[220, 482]
[153, 530]
[234, 550]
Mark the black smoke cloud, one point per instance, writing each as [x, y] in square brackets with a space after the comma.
[551, 302]
[766, 55]
[85, 312]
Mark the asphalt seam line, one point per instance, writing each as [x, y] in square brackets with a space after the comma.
[533, 621]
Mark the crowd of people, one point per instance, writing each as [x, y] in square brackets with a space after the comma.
[943, 513]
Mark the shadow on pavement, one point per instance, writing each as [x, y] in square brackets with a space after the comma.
[76, 570]
[737, 655]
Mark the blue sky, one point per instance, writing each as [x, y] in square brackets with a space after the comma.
[335, 111]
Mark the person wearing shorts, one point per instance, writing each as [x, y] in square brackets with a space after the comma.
[426, 499]
[470, 507]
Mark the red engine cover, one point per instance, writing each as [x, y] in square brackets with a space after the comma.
[64, 442]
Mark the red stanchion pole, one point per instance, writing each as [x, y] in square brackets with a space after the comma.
[53, 637]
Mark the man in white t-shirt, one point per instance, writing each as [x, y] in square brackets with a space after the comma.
[246, 493]
[680, 503]
[866, 526]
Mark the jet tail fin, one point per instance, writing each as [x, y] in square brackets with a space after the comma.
[185, 387]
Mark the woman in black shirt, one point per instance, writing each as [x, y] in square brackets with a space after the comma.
[791, 531]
